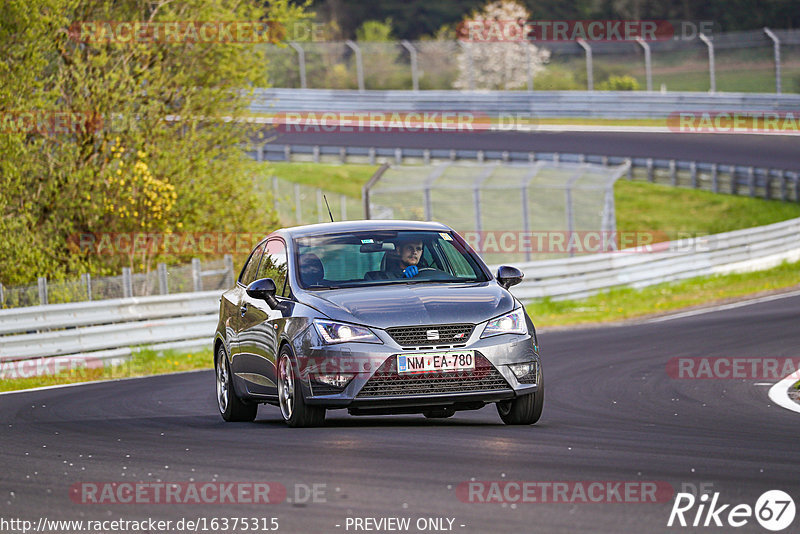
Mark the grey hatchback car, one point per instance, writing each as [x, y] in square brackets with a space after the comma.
[376, 317]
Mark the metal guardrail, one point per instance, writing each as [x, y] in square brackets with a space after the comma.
[777, 184]
[107, 329]
[579, 277]
[602, 104]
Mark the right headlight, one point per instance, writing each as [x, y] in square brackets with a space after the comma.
[334, 332]
[510, 323]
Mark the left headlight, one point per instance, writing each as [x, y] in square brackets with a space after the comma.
[510, 323]
[333, 332]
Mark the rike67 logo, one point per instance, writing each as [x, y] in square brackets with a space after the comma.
[774, 510]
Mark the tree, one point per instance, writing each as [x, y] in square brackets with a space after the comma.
[161, 130]
[490, 57]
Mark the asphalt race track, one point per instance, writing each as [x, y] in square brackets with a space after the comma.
[772, 151]
[612, 413]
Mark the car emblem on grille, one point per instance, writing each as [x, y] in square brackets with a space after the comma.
[459, 335]
[433, 334]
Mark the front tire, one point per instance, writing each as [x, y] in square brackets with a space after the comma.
[524, 410]
[295, 411]
[231, 407]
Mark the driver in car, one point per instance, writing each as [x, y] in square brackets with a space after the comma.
[409, 254]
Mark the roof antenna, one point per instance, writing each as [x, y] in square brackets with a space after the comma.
[329, 208]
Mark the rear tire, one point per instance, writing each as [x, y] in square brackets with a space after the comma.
[231, 407]
[524, 410]
[295, 411]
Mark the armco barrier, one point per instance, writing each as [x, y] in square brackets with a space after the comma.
[601, 104]
[740, 250]
[109, 328]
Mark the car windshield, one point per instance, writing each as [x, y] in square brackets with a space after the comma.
[384, 257]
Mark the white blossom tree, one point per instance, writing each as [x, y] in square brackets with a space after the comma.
[494, 52]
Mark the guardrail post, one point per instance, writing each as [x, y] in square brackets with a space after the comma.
[470, 71]
[426, 156]
[230, 275]
[86, 278]
[163, 286]
[301, 61]
[343, 154]
[476, 197]
[650, 177]
[629, 161]
[127, 282]
[751, 181]
[711, 70]
[714, 178]
[734, 185]
[589, 65]
[556, 157]
[42, 283]
[673, 173]
[693, 174]
[259, 153]
[480, 156]
[359, 63]
[776, 48]
[315, 153]
[452, 154]
[197, 277]
[648, 67]
[372, 156]
[287, 152]
[398, 155]
[412, 53]
[298, 206]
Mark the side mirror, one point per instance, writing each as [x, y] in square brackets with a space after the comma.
[263, 289]
[509, 276]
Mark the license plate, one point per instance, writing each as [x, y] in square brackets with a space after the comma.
[433, 362]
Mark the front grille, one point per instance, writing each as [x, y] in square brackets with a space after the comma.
[414, 336]
[386, 382]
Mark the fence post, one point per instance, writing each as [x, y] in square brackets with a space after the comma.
[301, 60]
[2, 296]
[42, 283]
[751, 181]
[629, 161]
[275, 193]
[648, 66]
[589, 66]
[650, 176]
[528, 66]
[86, 278]
[369, 185]
[767, 184]
[714, 178]
[228, 261]
[197, 278]
[163, 286]
[127, 282]
[783, 185]
[711, 70]
[776, 47]
[470, 71]
[693, 174]
[359, 63]
[412, 53]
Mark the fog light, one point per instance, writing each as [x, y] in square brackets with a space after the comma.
[525, 372]
[339, 380]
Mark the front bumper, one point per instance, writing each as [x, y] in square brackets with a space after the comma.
[376, 386]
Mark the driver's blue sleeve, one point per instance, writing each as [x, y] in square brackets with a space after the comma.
[411, 271]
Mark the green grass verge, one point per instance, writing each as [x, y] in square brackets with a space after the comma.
[627, 303]
[345, 179]
[143, 363]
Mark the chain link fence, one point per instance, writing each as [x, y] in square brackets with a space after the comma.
[750, 61]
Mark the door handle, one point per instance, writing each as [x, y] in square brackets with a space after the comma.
[243, 309]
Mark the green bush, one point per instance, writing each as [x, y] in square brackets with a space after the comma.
[619, 83]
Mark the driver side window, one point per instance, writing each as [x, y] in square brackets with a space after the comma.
[250, 270]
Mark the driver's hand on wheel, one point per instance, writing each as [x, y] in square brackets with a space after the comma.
[411, 271]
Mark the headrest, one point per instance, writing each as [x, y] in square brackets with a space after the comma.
[311, 270]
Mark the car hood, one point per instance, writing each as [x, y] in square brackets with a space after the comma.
[412, 304]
